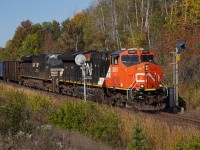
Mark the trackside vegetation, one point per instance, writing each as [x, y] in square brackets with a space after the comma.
[34, 119]
[90, 119]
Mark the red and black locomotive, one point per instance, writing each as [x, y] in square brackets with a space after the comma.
[128, 77]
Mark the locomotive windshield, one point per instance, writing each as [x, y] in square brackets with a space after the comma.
[130, 60]
[147, 58]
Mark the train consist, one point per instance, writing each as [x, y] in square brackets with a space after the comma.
[124, 77]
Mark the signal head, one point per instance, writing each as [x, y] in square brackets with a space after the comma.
[180, 44]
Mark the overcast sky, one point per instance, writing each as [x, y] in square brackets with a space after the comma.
[13, 12]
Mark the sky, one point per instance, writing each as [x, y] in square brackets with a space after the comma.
[13, 12]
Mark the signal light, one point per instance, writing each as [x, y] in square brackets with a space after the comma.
[180, 44]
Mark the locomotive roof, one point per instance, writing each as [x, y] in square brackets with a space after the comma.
[116, 53]
[69, 55]
[40, 57]
[28, 58]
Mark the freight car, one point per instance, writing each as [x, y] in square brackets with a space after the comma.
[124, 77]
[12, 71]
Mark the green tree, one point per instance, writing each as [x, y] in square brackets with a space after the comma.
[139, 140]
[31, 45]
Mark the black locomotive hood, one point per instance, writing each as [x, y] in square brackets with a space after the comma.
[69, 56]
[28, 58]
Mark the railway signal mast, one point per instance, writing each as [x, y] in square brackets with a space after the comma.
[80, 61]
[180, 46]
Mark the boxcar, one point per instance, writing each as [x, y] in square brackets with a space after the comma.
[12, 70]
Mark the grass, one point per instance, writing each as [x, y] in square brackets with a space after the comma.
[160, 135]
[191, 95]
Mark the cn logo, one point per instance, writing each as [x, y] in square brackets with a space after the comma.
[140, 77]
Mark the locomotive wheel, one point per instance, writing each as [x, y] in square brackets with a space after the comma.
[135, 106]
[109, 101]
[20, 82]
[120, 100]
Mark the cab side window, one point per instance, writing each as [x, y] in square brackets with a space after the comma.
[115, 61]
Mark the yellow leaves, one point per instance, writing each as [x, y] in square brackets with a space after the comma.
[77, 17]
[193, 6]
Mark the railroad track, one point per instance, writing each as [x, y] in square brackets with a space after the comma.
[178, 120]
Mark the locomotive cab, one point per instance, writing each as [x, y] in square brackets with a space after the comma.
[135, 71]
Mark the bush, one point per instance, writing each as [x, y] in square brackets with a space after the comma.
[41, 107]
[14, 115]
[89, 119]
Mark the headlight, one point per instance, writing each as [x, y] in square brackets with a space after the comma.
[142, 85]
[146, 67]
[160, 85]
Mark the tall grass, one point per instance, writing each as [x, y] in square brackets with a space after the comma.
[159, 135]
[191, 95]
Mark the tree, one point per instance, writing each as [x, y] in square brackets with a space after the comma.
[31, 45]
[72, 34]
[192, 11]
[50, 45]
[139, 140]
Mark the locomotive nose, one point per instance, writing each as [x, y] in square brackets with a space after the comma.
[152, 75]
